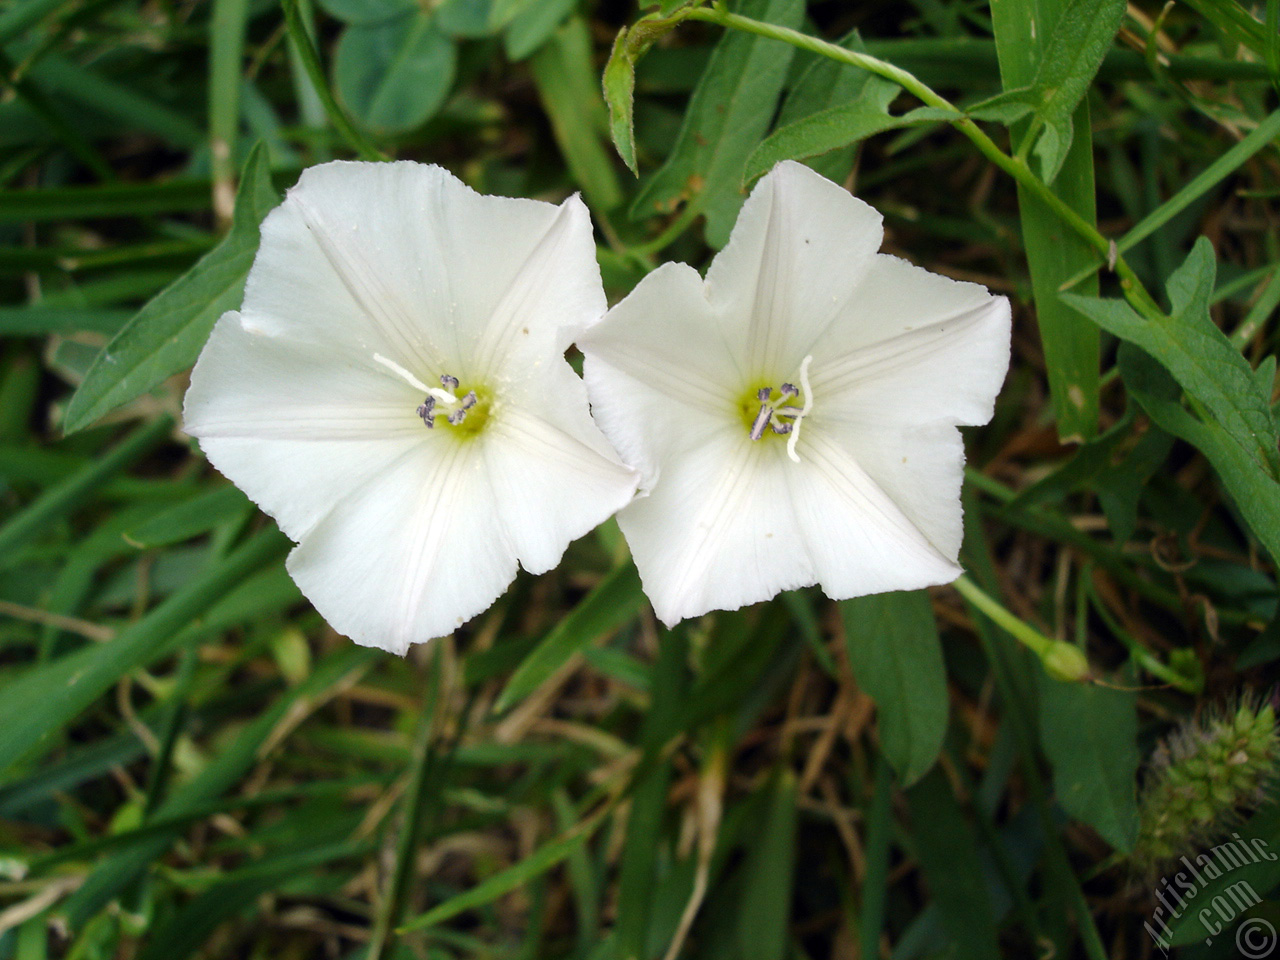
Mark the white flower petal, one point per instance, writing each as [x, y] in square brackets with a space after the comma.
[655, 368]
[913, 347]
[921, 468]
[404, 260]
[297, 427]
[719, 530]
[410, 556]
[793, 262]
[861, 539]
[554, 478]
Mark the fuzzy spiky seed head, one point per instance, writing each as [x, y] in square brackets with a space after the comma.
[1202, 777]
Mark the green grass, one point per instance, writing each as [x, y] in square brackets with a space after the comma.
[193, 764]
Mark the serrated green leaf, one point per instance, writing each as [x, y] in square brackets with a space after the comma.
[392, 76]
[1089, 734]
[1075, 50]
[167, 334]
[1199, 355]
[726, 117]
[896, 656]
[619, 81]
[611, 603]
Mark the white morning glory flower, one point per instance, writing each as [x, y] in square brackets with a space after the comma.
[394, 392]
[794, 416]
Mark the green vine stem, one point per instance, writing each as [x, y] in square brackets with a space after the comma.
[1016, 167]
[1063, 660]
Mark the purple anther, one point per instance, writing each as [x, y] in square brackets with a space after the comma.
[448, 382]
[789, 390]
[780, 428]
[460, 414]
[427, 412]
[763, 393]
[761, 421]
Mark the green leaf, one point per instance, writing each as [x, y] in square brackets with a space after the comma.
[1089, 733]
[533, 25]
[837, 126]
[765, 912]
[565, 76]
[726, 117]
[234, 759]
[947, 849]
[896, 656]
[826, 83]
[59, 500]
[394, 75]
[1079, 42]
[167, 334]
[1055, 253]
[1255, 492]
[367, 12]
[620, 80]
[191, 518]
[613, 601]
[1199, 355]
[473, 18]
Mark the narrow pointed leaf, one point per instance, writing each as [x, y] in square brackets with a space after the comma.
[165, 337]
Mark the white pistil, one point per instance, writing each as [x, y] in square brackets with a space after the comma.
[784, 420]
[808, 405]
[444, 396]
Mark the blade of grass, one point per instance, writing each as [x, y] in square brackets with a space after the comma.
[565, 77]
[306, 52]
[612, 602]
[125, 866]
[1071, 349]
[45, 699]
[60, 500]
[226, 51]
[875, 883]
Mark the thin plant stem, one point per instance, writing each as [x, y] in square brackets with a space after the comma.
[1016, 167]
[315, 73]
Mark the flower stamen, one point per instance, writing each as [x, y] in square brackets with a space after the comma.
[460, 414]
[781, 417]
